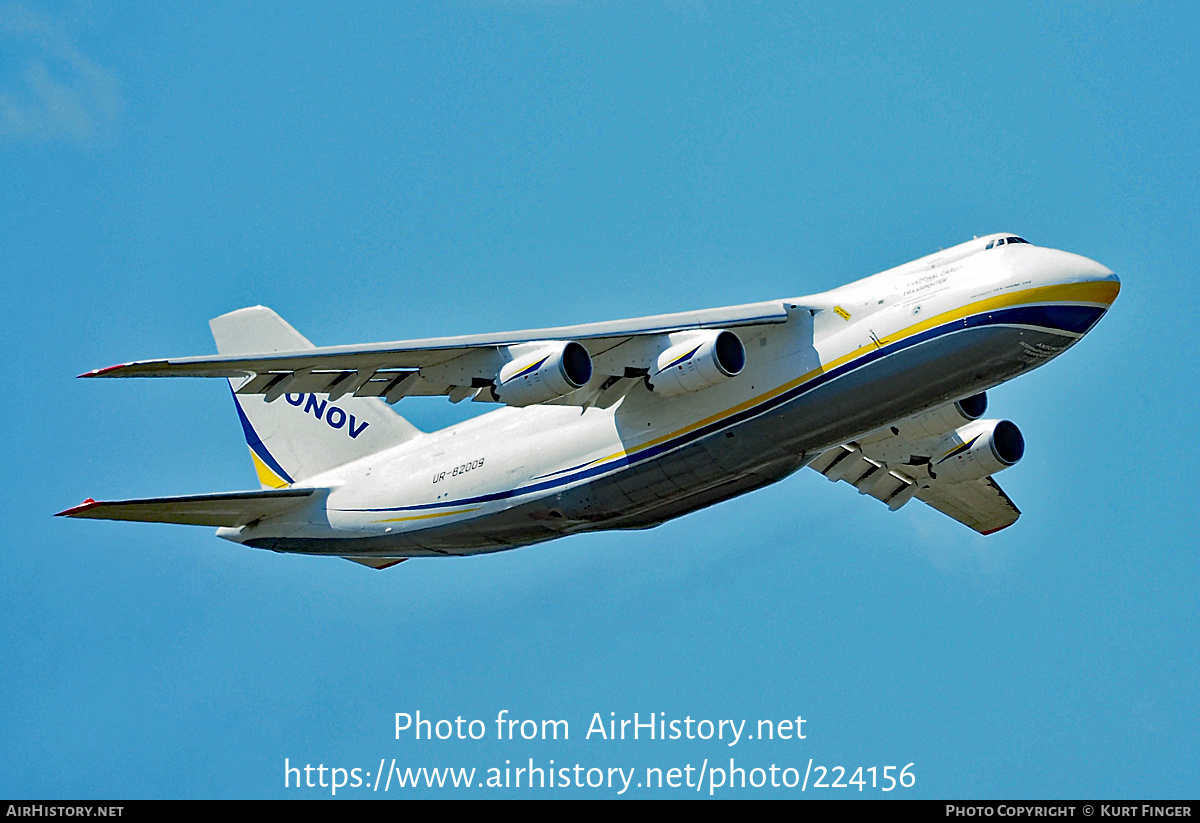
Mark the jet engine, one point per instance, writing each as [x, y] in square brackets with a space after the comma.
[977, 450]
[544, 374]
[700, 361]
[943, 419]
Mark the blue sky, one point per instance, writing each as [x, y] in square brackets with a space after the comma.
[405, 170]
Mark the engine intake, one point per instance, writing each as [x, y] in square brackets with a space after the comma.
[978, 450]
[544, 374]
[944, 419]
[700, 361]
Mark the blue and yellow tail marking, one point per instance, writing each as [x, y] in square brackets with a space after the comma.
[270, 474]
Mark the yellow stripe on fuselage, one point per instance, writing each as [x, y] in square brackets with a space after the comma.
[1098, 292]
[1092, 292]
[427, 516]
[1102, 292]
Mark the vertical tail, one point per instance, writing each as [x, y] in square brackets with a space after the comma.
[299, 435]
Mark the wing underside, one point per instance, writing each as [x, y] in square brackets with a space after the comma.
[458, 367]
[978, 503]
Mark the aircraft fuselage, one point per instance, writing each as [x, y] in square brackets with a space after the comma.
[845, 363]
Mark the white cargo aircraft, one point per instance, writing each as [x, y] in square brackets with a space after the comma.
[627, 424]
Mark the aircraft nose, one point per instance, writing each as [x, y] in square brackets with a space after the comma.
[1071, 292]
[1091, 271]
[1078, 266]
[1074, 277]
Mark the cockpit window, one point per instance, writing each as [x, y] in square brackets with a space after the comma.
[1001, 241]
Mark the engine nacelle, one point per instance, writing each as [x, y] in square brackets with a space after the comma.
[977, 450]
[544, 374]
[702, 360]
[944, 418]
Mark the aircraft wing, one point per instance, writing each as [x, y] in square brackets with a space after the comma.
[226, 509]
[460, 367]
[978, 503]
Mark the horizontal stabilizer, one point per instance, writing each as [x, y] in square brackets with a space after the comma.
[226, 509]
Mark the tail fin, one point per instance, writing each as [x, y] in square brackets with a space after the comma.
[299, 435]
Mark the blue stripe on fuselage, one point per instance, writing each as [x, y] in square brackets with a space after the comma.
[1072, 319]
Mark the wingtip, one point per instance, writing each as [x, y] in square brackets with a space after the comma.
[75, 510]
[103, 371]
